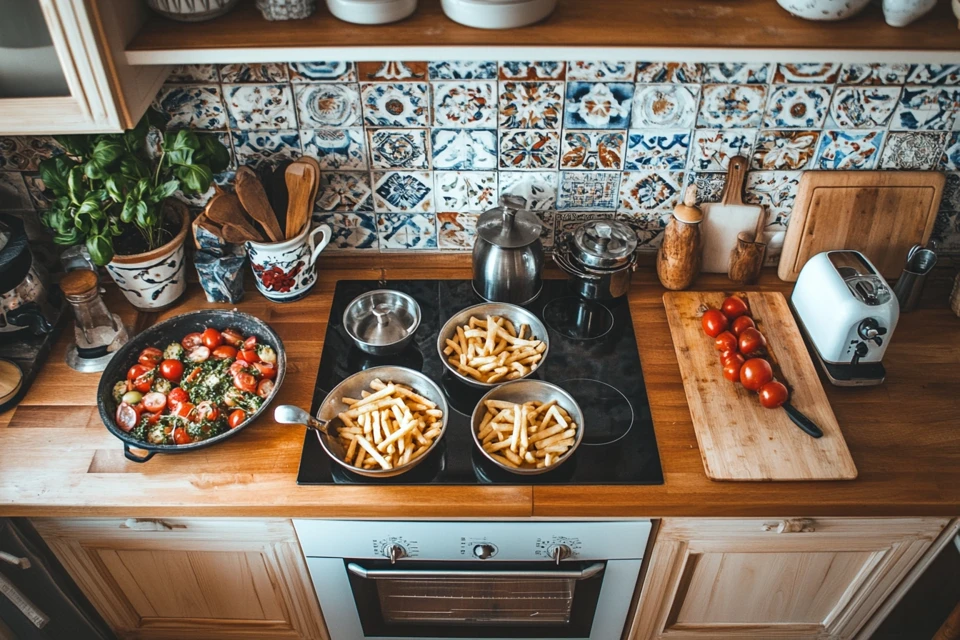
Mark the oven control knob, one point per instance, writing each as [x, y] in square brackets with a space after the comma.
[484, 551]
[560, 552]
[394, 552]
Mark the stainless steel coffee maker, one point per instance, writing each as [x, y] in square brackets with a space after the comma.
[508, 254]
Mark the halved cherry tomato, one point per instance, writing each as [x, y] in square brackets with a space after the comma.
[734, 307]
[726, 341]
[727, 357]
[127, 416]
[177, 397]
[266, 353]
[191, 341]
[245, 382]
[773, 394]
[249, 355]
[237, 416]
[751, 341]
[150, 357]
[180, 435]
[232, 337]
[211, 338]
[154, 402]
[136, 371]
[741, 323]
[193, 375]
[238, 366]
[154, 418]
[267, 370]
[731, 370]
[144, 382]
[225, 352]
[755, 373]
[172, 370]
[714, 322]
[207, 410]
[199, 354]
[264, 388]
[250, 343]
[186, 410]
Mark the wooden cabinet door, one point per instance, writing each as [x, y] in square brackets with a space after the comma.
[793, 578]
[197, 579]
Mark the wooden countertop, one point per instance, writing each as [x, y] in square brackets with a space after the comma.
[56, 458]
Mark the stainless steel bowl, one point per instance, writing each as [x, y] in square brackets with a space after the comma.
[382, 322]
[520, 391]
[516, 315]
[326, 424]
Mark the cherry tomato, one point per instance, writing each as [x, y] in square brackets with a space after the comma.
[238, 366]
[199, 354]
[266, 353]
[151, 357]
[734, 307]
[172, 370]
[143, 382]
[154, 418]
[177, 397]
[250, 343]
[726, 341]
[154, 402]
[237, 416]
[127, 416]
[225, 352]
[714, 322]
[731, 370]
[232, 337]
[136, 371]
[755, 373]
[267, 370]
[186, 410]
[193, 375]
[773, 394]
[751, 341]
[180, 436]
[211, 338]
[245, 382]
[191, 341]
[249, 355]
[741, 323]
[264, 388]
[208, 410]
[733, 355]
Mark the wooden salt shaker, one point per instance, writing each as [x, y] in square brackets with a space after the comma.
[681, 252]
[746, 259]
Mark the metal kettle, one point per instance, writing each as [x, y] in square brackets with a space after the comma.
[508, 254]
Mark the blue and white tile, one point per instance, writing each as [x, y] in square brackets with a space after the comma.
[328, 104]
[665, 106]
[672, 72]
[736, 72]
[650, 190]
[927, 108]
[589, 190]
[14, 194]
[709, 185]
[648, 226]
[863, 107]
[592, 150]
[913, 150]
[874, 74]
[951, 193]
[396, 104]
[950, 160]
[403, 191]
[266, 147]
[336, 149]
[595, 71]
[798, 106]
[466, 191]
[192, 107]
[25, 153]
[532, 70]
[399, 149]
[784, 150]
[351, 231]
[258, 72]
[530, 150]
[322, 72]
[531, 105]
[260, 106]
[391, 71]
[548, 219]
[815, 72]
[850, 149]
[194, 74]
[568, 221]
[948, 74]
[731, 106]
[456, 231]
[537, 188]
[468, 104]
[598, 105]
[657, 149]
[407, 231]
[464, 149]
[463, 70]
[776, 191]
[711, 150]
[344, 191]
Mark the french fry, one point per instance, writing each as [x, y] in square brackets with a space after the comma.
[486, 348]
[530, 435]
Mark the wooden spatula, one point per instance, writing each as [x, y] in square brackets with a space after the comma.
[253, 197]
[225, 209]
[723, 221]
[303, 180]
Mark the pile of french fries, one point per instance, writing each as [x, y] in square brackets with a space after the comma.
[529, 435]
[388, 427]
[493, 350]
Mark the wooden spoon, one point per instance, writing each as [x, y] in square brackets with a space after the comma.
[303, 180]
[237, 235]
[225, 209]
[253, 197]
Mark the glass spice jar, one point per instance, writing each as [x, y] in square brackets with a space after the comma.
[97, 332]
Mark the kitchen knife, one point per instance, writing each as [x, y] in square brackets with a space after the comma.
[802, 421]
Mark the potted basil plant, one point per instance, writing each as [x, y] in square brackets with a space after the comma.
[113, 193]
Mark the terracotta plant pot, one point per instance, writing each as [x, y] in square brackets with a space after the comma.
[157, 278]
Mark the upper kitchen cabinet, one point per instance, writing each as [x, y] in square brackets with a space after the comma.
[62, 68]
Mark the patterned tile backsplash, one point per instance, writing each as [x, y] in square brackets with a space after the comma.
[412, 152]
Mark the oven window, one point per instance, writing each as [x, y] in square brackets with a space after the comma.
[477, 600]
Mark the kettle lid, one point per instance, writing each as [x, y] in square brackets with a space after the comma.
[511, 225]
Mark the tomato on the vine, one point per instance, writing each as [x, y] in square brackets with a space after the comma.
[741, 323]
[773, 394]
[755, 373]
[752, 341]
[734, 307]
[726, 341]
[731, 370]
[714, 322]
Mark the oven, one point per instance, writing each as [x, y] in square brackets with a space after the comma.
[380, 580]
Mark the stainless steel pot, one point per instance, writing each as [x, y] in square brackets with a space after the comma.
[508, 254]
[382, 322]
[599, 258]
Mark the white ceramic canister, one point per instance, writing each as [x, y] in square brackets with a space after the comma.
[900, 13]
[286, 271]
[826, 10]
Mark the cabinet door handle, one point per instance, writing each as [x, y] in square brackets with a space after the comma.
[791, 525]
[135, 524]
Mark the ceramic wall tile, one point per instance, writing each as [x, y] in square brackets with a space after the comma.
[784, 150]
[25, 153]
[568, 221]
[650, 190]
[397, 104]
[407, 231]
[529, 150]
[649, 149]
[648, 226]
[674, 72]
[598, 105]
[797, 107]
[194, 73]
[935, 74]
[462, 70]
[531, 105]
[466, 104]
[776, 191]
[328, 104]
[260, 72]
[344, 191]
[391, 71]
[950, 160]
[593, 190]
[260, 106]
[601, 71]
[736, 72]
[192, 107]
[351, 231]
[322, 72]
[336, 149]
[951, 193]
[537, 188]
[592, 150]
[711, 150]
[731, 106]
[38, 191]
[913, 150]
[403, 191]
[466, 191]
[859, 149]
[456, 231]
[266, 147]
[399, 149]
[825, 72]
[527, 70]
[861, 73]
[927, 108]
[947, 233]
[709, 185]
[14, 194]
[664, 106]
[548, 219]
[863, 107]
[464, 149]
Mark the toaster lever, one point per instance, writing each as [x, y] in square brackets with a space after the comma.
[860, 351]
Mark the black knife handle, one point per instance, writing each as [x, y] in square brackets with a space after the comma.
[802, 421]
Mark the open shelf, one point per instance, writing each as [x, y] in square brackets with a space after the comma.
[682, 30]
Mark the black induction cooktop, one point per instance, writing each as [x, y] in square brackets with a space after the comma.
[593, 355]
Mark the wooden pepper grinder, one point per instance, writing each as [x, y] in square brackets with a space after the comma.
[681, 252]
[746, 259]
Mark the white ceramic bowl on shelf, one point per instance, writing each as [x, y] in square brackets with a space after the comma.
[826, 10]
[498, 14]
[371, 11]
[191, 10]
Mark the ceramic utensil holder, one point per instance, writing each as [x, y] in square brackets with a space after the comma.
[286, 9]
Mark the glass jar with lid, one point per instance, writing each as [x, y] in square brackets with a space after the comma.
[98, 333]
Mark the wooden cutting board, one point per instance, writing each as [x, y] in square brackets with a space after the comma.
[738, 438]
[879, 213]
[723, 221]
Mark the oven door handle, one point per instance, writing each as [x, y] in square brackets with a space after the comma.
[394, 574]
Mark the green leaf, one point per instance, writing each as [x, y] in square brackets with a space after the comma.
[180, 157]
[213, 153]
[142, 215]
[133, 168]
[141, 188]
[114, 185]
[165, 190]
[129, 210]
[91, 207]
[70, 238]
[54, 172]
[76, 145]
[101, 249]
[186, 139]
[75, 187]
[195, 178]
[106, 152]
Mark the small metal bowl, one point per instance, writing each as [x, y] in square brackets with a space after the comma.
[382, 322]
[513, 313]
[520, 391]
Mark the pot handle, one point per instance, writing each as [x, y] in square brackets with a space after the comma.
[570, 270]
[290, 414]
[132, 457]
[317, 247]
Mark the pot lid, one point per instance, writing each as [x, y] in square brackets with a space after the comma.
[382, 317]
[510, 225]
[604, 244]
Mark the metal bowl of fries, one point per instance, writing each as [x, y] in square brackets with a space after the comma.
[527, 427]
[378, 423]
[486, 358]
